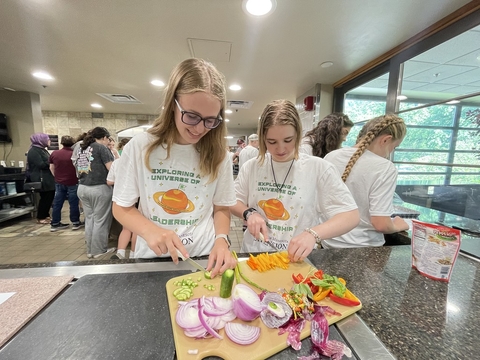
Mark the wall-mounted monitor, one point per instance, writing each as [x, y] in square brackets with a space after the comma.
[4, 136]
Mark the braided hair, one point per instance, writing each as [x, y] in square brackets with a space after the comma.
[383, 125]
[327, 135]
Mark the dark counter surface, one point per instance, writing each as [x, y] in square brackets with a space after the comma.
[415, 317]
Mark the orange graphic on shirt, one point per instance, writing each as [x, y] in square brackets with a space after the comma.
[274, 209]
[173, 201]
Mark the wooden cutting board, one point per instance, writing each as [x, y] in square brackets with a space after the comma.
[29, 296]
[269, 342]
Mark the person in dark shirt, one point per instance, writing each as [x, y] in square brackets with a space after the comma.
[38, 169]
[66, 184]
[93, 162]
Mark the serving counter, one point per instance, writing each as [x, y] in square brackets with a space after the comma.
[118, 309]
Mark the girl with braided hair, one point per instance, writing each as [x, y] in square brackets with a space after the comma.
[371, 178]
[327, 136]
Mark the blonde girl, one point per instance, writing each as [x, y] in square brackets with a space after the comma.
[371, 178]
[283, 194]
[181, 173]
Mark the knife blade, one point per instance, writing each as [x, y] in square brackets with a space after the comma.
[262, 239]
[191, 261]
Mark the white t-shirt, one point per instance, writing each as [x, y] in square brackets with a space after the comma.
[173, 194]
[111, 172]
[372, 183]
[312, 189]
[249, 152]
[305, 147]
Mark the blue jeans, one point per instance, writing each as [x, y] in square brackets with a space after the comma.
[62, 193]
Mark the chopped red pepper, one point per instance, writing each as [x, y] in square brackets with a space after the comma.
[344, 301]
[297, 279]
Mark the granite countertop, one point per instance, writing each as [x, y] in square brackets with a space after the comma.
[415, 317]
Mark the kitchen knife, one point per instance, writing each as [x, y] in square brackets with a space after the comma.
[262, 239]
[191, 262]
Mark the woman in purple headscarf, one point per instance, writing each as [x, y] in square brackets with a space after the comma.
[39, 169]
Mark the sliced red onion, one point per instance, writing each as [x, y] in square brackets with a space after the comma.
[246, 303]
[204, 316]
[187, 316]
[242, 334]
[269, 319]
[203, 320]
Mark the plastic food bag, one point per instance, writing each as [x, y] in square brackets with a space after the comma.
[434, 249]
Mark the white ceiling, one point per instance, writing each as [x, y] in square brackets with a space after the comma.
[119, 46]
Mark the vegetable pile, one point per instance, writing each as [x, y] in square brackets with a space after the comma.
[318, 286]
[286, 310]
[265, 261]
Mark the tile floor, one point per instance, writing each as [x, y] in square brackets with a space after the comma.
[22, 241]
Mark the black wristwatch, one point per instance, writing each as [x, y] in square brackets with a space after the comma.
[248, 212]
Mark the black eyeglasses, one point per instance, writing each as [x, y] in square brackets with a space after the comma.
[190, 118]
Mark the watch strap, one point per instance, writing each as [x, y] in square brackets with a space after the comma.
[225, 237]
[248, 212]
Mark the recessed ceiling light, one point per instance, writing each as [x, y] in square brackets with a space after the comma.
[157, 83]
[228, 111]
[259, 7]
[227, 120]
[402, 97]
[228, 137]
[326, 64]
[235, 87]
[451, 102]
[42, 75]
[95, 105]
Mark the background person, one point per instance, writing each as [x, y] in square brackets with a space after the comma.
[121, 144]
[125, 236]
[94, 161]
[250, 151]
[327, 136]
[181, 173]
[277, 198]
[39, 171]
[111, 146]
[372, 179]
[66, 184]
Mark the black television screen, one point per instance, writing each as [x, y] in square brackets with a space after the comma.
[4, 137]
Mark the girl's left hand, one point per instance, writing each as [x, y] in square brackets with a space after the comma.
[221, 257]
[301, 246]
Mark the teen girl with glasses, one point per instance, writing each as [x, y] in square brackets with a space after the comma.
[181, 173]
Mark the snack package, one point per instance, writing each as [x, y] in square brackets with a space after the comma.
[434, 249]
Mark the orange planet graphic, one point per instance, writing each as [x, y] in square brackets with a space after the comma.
[274, 209]
[173, 201]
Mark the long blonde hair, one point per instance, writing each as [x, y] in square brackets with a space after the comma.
[188, 77]
[383, 125]
[278, 112]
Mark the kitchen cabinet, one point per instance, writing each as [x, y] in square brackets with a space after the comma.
[16, 202]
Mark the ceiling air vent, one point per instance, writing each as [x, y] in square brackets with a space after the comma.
[120, 98]
[239, 104]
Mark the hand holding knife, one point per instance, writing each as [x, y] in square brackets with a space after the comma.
[191, 262]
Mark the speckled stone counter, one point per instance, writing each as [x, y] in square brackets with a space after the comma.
[415, 317]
